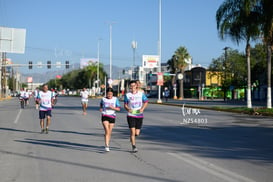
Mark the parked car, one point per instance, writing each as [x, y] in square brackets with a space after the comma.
[152, 94]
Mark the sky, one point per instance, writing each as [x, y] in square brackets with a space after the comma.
[60, 30]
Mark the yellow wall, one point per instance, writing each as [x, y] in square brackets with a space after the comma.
[213, 78]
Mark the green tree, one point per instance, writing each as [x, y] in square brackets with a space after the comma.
[236, 71]
[237, 19]
[91, 74]
[232, 69]
[258, 57]
[69, 80]
[80, 78]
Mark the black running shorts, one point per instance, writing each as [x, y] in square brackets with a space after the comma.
[43, 114]
[134, 122]
[109, 119]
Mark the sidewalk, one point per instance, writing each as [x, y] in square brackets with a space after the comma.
[5, 98]
[209, 103]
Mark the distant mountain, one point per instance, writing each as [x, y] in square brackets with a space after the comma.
[46, 76]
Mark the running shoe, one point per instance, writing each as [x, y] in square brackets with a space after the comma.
[46, 130]
[107, 149]
[134, 149]
[42, 131]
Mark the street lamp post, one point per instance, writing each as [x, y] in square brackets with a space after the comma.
[98, 66]
[134, 46]
[159, 52]
[180, 77]
[110, 32]
[225, 71]
[110, 50]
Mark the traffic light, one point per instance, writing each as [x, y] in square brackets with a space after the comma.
[30, 65]
[48, 64]
[66, 64]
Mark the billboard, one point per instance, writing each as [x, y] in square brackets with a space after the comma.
[12, 40]
[87, 61]
[58, 76]
[29, 79]
[150, 61]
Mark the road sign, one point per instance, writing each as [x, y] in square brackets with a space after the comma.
[12, 40]
[58, 64]
[168, 74]
[39, 64]
[160, 78]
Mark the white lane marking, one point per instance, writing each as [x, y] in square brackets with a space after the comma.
[211, 168]
[17, 117]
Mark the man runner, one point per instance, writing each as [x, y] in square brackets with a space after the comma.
[45, 98]
[135, 103]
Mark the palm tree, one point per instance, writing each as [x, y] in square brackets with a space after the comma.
[177, 64]
[91, 74]
[181, 55]
[266, 20]
[237, 19]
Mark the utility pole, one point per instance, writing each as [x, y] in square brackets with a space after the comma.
[1, 61]
[3, 76]
[159, 52]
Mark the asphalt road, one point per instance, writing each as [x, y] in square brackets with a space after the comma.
[176, 144]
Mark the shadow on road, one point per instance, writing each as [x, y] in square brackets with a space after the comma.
[233, 142]
[62, 144]
[73, 107]
[17, 130]
[90, 166]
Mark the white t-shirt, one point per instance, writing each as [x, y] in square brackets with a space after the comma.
[105, 103]
[45, 100]
[22, 94]
[135, 102]
[36, 93]
[84, 95]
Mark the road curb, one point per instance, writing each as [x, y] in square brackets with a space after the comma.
[216, 108]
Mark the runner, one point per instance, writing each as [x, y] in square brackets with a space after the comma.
[36, 91]
[21, 97]
[138, 83]
[55, 97]
[45, 98]
[29, 95]
[24, 95]
[84, 95]
[108, 107]
[166, 93]
[135, 103]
